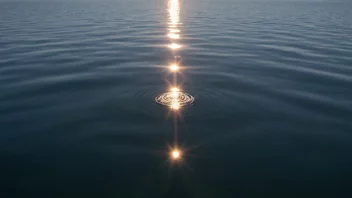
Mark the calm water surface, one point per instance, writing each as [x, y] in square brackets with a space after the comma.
[272, 83]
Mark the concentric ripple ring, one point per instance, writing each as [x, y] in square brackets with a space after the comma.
[170, 98]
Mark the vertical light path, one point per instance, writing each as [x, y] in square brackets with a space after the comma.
[174, 35]
[174, 98]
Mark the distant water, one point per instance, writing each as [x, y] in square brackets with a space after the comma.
[272, 82]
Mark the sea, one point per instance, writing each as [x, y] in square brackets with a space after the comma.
[271, 82]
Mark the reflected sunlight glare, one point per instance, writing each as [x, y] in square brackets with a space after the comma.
[175, 106]
[174, 10]
[174, 67]
[176, 154]
[174, 99]
[174, 95]
[172, 30]
[174, 89]
[173, 36]
[174, 46]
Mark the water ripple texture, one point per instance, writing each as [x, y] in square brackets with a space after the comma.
[175, 99]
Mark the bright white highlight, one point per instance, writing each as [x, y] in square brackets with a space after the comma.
[174, 12]
[176, 154]
[174, 46]
[174, 67]
[173, 36]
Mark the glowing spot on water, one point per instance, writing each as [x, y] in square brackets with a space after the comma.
[175, 106]
[174, 67]
[174, 89]
[174, 46]
[174, 95]
[175, 154]
[174, 30]
[174, 11]
[173, 36]
[175, 99]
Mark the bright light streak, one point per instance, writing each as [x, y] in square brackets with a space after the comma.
[174, 46]
[174, 67]
[174, 89]
[176, 154]
[175, 106]
[174, 31]
[173, 36]
[174, 94]
[175, 98]
[174, 11]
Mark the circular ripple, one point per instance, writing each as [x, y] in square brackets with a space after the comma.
[170, 98]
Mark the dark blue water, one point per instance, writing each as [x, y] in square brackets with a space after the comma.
[272, 82]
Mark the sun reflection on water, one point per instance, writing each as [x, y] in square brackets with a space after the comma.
[176, 154]
[175, 106]
[174, 67]
[172, 30]
[174, 46]
[174, 89]
[173, 36]
[174, 12]
[174, 98]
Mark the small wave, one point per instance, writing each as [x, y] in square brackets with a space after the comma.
[172, 98]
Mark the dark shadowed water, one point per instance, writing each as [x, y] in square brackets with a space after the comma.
[272, 82]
